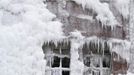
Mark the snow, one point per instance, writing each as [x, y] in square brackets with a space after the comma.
[123, 7]
[129, 73]
[86, 17]
[104, 14]
[131, 35]
[121, 47]
[77, 35]
[76, 69]
[24, 26]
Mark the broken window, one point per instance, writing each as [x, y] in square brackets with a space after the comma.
[58, 59]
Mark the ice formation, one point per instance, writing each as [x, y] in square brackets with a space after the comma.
[121, 47]
[104, 14]
[76, 69]
[24, 26]
[131, 35]
[123, 7]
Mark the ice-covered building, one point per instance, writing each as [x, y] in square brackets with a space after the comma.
[96, 41]
[78, 37]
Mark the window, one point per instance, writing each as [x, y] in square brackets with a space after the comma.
[58, 59]
[106, 61]
[96, 59]
[87, 61]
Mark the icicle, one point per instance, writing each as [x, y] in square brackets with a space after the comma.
[110, 45]
[102, 25]
[98, 46]
[55, 43]
[67, 41]
[103, 49]
[101, 67]
[84, 3]
[102, 45]
[118, 57]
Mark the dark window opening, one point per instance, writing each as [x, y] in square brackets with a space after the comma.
[65, 73]
[56, 62]
[96, 73]
[104, 64]
[106, 61]
[106, 49]
[87, 61]
[65, 62]
[97, 65]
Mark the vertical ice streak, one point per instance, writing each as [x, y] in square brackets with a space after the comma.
[131, 30]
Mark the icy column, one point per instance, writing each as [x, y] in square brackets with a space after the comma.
[76, 65]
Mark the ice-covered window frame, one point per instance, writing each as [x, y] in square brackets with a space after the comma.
[96, 58]
[58, 58]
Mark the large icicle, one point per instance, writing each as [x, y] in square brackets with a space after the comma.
[104, 14]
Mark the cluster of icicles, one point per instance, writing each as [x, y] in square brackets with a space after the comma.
[111, 43]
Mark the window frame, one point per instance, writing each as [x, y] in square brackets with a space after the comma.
[61, 56]
[92, 55]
